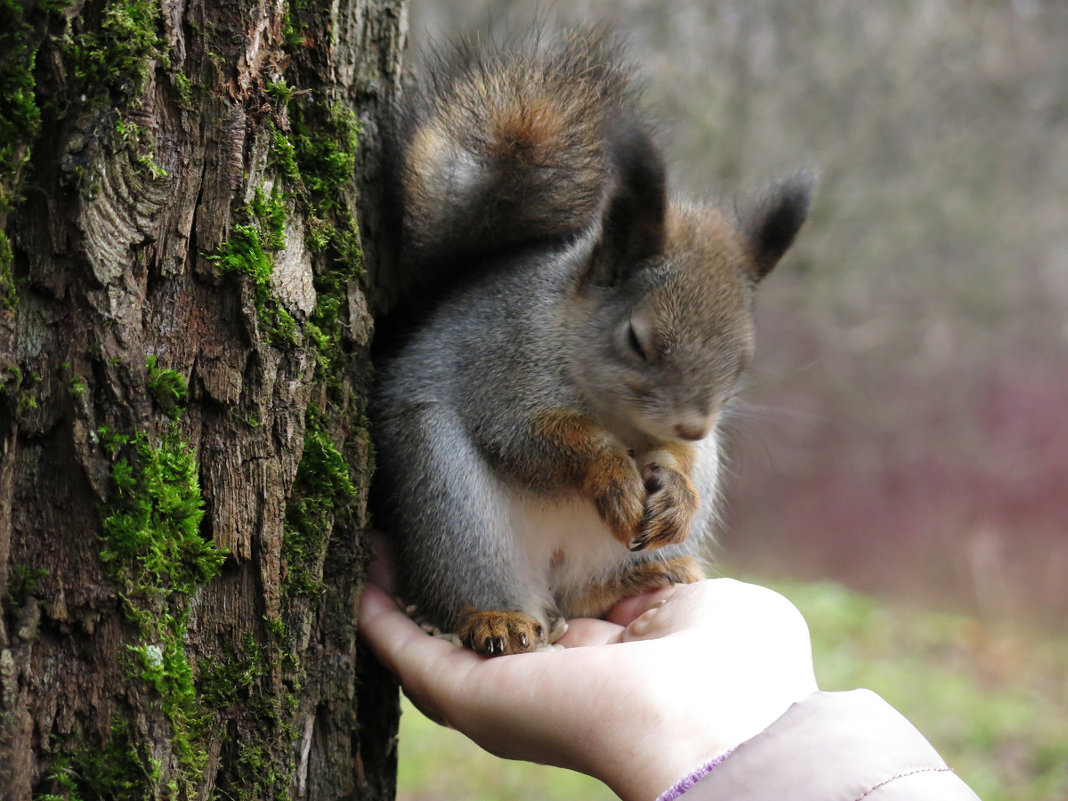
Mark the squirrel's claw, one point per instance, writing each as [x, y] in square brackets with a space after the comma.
[638, 544]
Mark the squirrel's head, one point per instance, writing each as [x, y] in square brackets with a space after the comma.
[673, 317]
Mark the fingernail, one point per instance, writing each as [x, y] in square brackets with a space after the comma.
[640, 625]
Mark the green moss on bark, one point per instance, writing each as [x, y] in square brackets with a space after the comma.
[112, 59]
[244, 254]
[22, 29]
[243, 681]
[153, 551]
[120, 770]
[21, 586]
[152, 542]
[167, 388]
[320, 153]
[312, 158]
[9, 297]
[322, 486]
[139, 142]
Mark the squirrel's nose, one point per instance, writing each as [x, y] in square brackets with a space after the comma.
[690, 431]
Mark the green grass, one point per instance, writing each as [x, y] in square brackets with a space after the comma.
[992, 698]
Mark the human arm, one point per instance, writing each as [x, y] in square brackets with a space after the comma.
[641, 700]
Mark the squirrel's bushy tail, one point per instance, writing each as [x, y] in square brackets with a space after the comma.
[503, 149]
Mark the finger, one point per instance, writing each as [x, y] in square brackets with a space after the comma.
[587, 631]
[629, 609]
[401, 645]
[379, 625]
[432, 671]
[679, 608]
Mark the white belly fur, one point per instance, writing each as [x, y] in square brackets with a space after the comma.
[567, 549]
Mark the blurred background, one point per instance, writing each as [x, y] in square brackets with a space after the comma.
[905, 434]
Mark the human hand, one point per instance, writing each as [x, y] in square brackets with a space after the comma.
[639, 700]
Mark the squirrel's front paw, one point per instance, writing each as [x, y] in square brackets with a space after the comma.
[669, 508]
[493, 633]
[619, 494]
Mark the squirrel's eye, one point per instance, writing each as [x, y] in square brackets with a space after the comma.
[635, 343]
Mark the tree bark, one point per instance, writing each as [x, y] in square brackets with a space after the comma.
[185, 322]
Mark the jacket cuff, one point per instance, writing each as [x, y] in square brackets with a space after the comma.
[832, 746]
[689, 780]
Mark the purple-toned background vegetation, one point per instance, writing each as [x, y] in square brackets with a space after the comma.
[951, 486]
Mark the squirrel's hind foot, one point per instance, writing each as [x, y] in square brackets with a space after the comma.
[492, 632]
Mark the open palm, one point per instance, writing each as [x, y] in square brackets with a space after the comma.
[668, 681]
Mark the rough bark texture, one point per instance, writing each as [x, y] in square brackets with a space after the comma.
[184, 362]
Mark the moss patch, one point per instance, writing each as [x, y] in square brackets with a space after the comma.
[293, 23]
[313, 159]
[21, 32]
[321, 487]
[18, 391]
[244, 254]
[117, 771]
[270, 212]
[138, 140]
[154, 552]
[21, 586]
[153, 546]
[112, 59]
[242, 681]
[20, 118]
[324, 143]
[167, 388]
[9, 297]
[249, 252]
[319, 158]
[325, 137]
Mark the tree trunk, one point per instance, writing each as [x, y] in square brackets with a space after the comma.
[184, 365]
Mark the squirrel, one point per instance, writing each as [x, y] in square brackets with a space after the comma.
[548, 434]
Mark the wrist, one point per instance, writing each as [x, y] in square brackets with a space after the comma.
[655, 765]
[684, 741]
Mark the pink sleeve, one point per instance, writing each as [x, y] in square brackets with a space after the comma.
[830, 747]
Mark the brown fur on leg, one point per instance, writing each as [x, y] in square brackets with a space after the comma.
[654, 574]
[640, 577]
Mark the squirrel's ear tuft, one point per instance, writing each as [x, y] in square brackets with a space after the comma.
[771, 221]
[633, 223]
